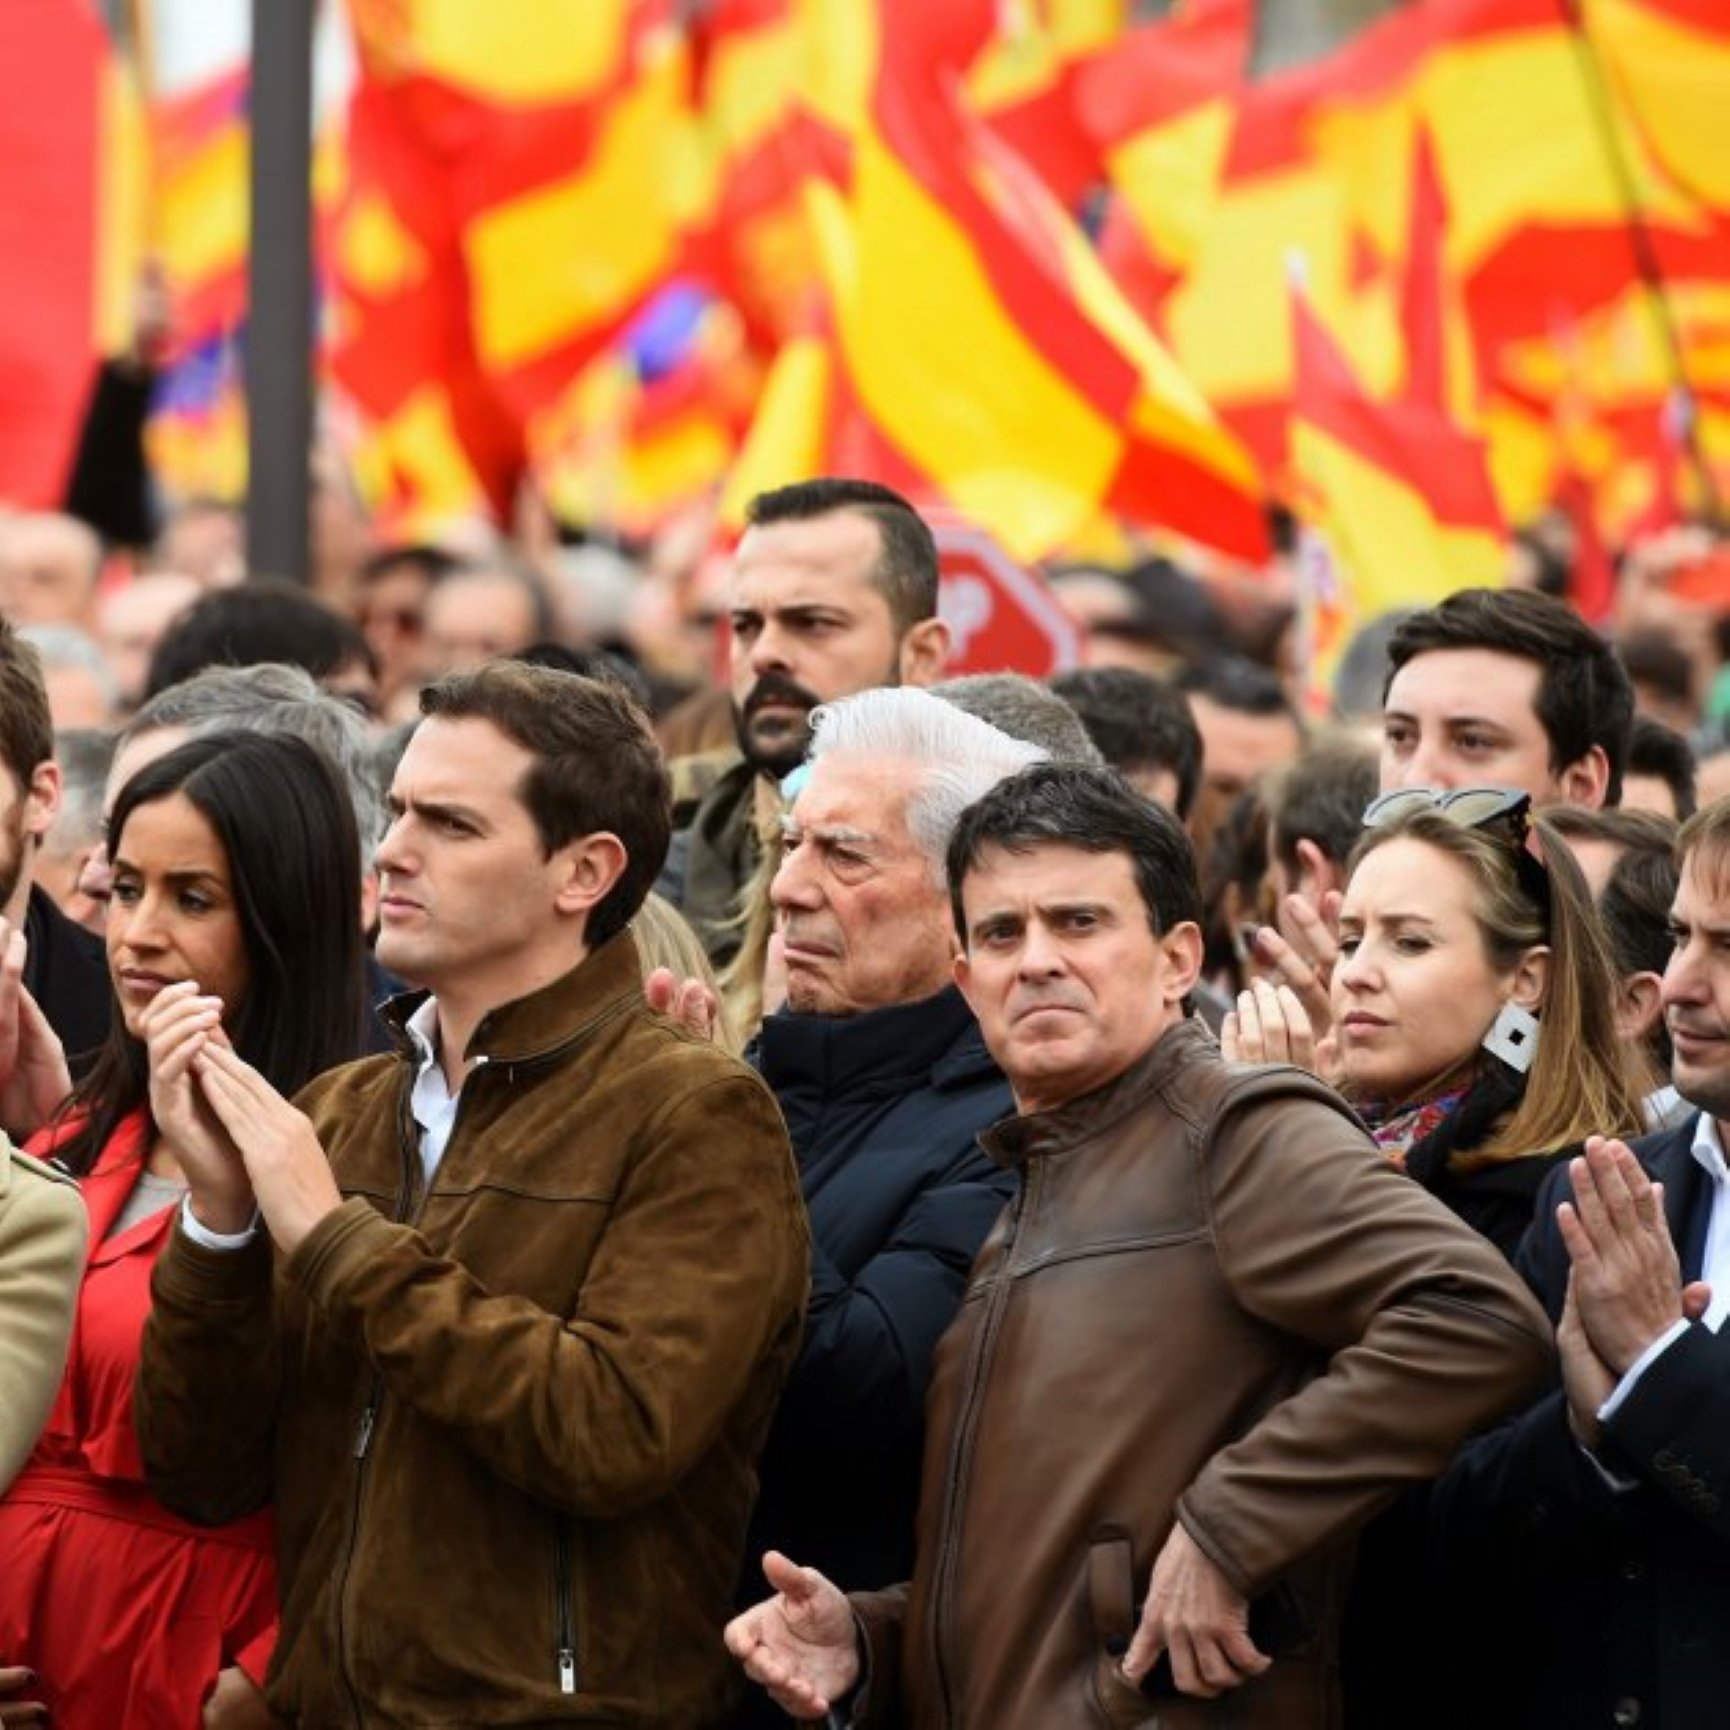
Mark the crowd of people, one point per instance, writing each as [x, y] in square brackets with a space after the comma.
[543, 1188]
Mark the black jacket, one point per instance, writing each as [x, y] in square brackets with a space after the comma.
[1608, 1606]
[1396, 1667]
[882, 1109]
[66, 971]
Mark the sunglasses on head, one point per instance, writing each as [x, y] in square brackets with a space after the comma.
[1504, 811]
[1468, 807]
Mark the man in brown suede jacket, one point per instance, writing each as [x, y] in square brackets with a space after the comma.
[507, 1349]
[1211, 1336]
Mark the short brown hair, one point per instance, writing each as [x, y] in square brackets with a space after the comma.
[597, 767]
[26, 729]
[906, 571]
[1585, 696]
[1707, 833]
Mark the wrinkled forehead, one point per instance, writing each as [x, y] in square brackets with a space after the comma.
[857, 790]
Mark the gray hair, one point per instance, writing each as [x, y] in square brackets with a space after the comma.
[84, 754]
[67, 646]
[273, 698]
[960, 758]
[1024, 709]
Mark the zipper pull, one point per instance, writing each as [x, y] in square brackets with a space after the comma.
[363, 1439]
[567, 1670]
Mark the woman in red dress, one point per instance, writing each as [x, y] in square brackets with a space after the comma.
[234, 862]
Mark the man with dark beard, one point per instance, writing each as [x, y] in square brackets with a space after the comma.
[63, 967]
[834, 590]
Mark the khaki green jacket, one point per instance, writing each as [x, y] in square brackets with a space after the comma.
[510, 1423]
[42, 1251]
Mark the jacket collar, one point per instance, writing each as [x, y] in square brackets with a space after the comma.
[935, 1036]
[606, 982]
[1044, 1134]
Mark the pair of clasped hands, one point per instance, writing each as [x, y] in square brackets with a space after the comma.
[242, 1148]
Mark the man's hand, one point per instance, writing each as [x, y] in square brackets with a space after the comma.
[1195, 1613]
[688, 1001]
[15, 1683]
[1626, 1279]
[1586, 1378]
[284, 1159]
[34, 1081]
[236, 1703]
[801, 1644]
[176, 1026]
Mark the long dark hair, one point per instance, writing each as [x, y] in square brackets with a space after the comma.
[287, 827]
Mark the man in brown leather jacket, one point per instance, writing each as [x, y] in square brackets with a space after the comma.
[1212, 1336]
[507, 1348]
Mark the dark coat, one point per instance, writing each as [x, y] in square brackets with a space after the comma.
[1396, 1667]
[66, 971]
[1577, 1603]
[882, 1109]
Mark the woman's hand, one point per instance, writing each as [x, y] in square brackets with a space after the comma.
[687, 1001]
[176, 1026]
[237, 1703]
[34, 1081]
[15, 1683]
[1270, 1025]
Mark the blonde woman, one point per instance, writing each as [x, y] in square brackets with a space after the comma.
[1473, 1003]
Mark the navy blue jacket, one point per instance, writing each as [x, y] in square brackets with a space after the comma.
[882, 1109]
[1578, 1604]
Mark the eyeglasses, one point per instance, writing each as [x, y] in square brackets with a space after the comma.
[1503, 811]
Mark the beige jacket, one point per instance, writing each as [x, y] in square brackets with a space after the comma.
[42, 1251]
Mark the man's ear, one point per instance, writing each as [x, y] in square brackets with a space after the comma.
[1183, 949]
[924, 652]
[1586, 781]
[1317, 873]
[42, 800]
[963, 974]
[1532, 978]
[591, 866]
[1639, 1003]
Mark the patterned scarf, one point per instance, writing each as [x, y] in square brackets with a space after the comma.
[1397, 1129]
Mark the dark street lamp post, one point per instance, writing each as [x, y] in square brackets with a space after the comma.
[279, 361]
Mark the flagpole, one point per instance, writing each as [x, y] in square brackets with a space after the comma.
[279, 289]
[1646, 261]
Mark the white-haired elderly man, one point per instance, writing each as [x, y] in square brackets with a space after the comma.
[879, 1069]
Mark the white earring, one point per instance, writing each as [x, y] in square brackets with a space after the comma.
[1513, 1037]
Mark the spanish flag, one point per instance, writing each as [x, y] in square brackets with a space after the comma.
[984, 339]
[1399, 494]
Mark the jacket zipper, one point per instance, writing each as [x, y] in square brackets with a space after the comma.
[960, 1451]
[413, 1188]
[564, 1621]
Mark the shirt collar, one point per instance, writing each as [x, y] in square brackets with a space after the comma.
[1708, 1148]
[423, 1028]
